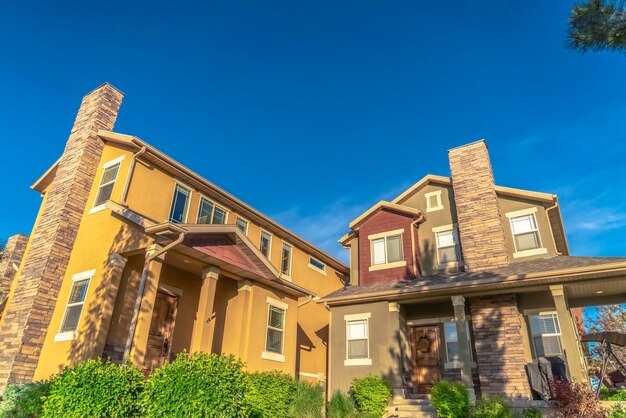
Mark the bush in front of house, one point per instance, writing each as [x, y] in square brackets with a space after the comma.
[24, 400]
[612, 395]
[196, 385]
[341, 406]
[492, 407]
[307, 401]
[371, 394]
[268, 394]
[451, 400]
[95, 389]
[576, 400]
[532, 413]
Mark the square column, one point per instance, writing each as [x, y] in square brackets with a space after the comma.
[204, 326]
[245, 290]
[465, 359]
[569, 336]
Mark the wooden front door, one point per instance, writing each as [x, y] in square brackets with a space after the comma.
[161, 331]
[425, 346]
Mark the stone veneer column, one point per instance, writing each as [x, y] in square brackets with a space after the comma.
[13, 253]
[28, 312]
[499, 346]
[478, 212]
[464, 344]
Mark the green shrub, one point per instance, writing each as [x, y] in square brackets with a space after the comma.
[95, 389]
[307, 401]
[492, 407]
[450, 400]
[197, 385]
[371, 394]
[341, 406]
[617, 412]
[612, 395]
[532, 413]
[24, 401]
[268, 394]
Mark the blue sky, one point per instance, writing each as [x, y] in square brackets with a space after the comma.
[317, 110]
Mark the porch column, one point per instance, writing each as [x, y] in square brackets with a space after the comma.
[245, 290]
[398, 360]
[569, 335]
[144, 316]
[204, 326]
[465, 358]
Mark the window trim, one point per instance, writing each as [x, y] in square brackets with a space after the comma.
[439, 203]
[533, 251]
[314, 267]
[289, 270]
[532, 336]
[97, 208]
[239, 217]
[455, 231]
[71, 335]
[455, 364]
[179, 184]
[366, 361]
[215, 205]
[269, 246]
[385, 235]
[270, 355]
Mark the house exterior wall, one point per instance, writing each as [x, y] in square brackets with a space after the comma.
[12, 256]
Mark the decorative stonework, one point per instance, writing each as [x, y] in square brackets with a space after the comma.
[478, 212]
[12, 257]
[29, 310]
[499, 344]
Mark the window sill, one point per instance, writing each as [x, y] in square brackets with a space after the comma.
[65, 336]
[388, 265]
[98, 208]
[267, 355]
[528, 253]
[457, 364]
[357, 362]
[320, 271]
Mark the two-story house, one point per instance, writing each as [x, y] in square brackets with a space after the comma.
[463, 280]
[134, 256]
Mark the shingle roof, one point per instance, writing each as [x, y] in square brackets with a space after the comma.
[454, 280]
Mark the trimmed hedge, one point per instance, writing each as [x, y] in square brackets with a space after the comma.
[371, 394]
[196, 385]
[451, 400]
[307, 401]
[269, 394]
[24, 401]
[95, 389]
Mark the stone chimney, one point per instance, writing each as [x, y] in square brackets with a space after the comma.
[28, 311]
[480, 226]
[11, 259]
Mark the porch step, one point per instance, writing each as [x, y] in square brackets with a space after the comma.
[415, 407]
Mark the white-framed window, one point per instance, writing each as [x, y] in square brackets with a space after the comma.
[107, 181]
[74, 306]
[387, 248]
[242, 224]
[525, 232]
[317, 265]
[211, 213]
[180, 204]
[357, 339]
[546, 334]
[265, 244]
[433, 201]
[275, 335]
[451, 337]
[285, 260]
[448, 251]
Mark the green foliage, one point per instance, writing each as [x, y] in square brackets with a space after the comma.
[341, 406]
[617, 412]
[197, 385]
[450, 400]
[612, 395]
[597, 25]
[95, 389]
[492, 407]
[307, 401]
[24, 401]
[371, 394]
[268, 394]
[532, 413]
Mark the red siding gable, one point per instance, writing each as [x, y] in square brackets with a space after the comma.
[380, 222]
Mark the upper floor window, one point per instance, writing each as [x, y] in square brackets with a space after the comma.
[109, 175]
[525, 232]
[387, 249]
[74, 307]
[180, 204]
[275, 333]
[242, 224]
[285, 263]
[447, 245]
[433, 201]
[316, 264]
[210, 213]
[546, 334]
[265, 244]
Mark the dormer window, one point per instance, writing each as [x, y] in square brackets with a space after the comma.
[386, 249]
[433, 201]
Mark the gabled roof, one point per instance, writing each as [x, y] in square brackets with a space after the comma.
[504, 191]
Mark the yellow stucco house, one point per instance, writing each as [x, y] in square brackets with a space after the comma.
[135, 256]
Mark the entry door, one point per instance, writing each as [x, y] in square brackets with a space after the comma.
[161, 331]
[425, 346]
